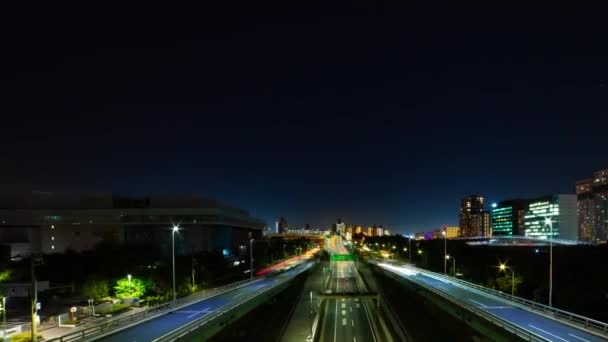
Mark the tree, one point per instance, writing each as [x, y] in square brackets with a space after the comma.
[135, 288]
[96, 289]
[503, 282]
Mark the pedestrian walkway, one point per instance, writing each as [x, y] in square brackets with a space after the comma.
[300, 321]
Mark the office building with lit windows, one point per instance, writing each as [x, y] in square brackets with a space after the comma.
[551, 216]
[592, 207]
[508, 217]
[474, 219]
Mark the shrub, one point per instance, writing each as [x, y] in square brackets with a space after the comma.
[24, 337]
[69, 321]
[114, 309]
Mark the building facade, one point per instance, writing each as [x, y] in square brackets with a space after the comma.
[592, 207]
[474, 219]
[55, 223]
[551, 216]
[508, 217]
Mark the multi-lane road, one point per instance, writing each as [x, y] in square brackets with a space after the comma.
[533, 322]
[161, 325]
[345, 319]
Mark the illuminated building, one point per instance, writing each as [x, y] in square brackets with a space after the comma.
[551, 216]
[370, 231]
[508, 217]
[592, 207]
[358, 229]
[474, 219]
[451, 232]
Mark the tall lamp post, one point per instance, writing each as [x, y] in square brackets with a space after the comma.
[175, 229]
[445, 252]
[550, 224]
[251, 259]
[409, 253]
[504, 267]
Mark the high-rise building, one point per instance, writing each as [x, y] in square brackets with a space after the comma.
[552, 216]
[592, 207]
[508, 217]
[474, 219]
[282, 226]
[451, 232]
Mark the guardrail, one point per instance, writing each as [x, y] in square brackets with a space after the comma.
[554, 313]
[525, 303]
[121, 322]
[197, 323]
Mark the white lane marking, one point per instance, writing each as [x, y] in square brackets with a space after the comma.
[476, 302]
[351, 309]
[343, 321]
[343, 312]
[336, 323]
[205, 310]
[355, 339]
[343, 305]
[580, 338]
[352, 322]
[548, 333]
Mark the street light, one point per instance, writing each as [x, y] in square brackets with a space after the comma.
[129, 277]
[251, 259]
[445, 252]
[504, 267]
[549, 223]
[175, 229]
[447, 257]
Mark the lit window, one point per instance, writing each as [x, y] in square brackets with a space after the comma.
[52, 238]
[52, 247]
[52, 226]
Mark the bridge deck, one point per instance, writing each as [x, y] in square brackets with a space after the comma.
[535, 323]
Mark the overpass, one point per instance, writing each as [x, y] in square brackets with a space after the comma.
[517, 316]
[213, 310]
[519, 240]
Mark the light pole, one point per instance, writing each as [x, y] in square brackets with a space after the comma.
[129, 278]
[453, 264]
[175, 229]
[409, 253]
[504, 267]
[445, 252]
[550, 223]
[251, 259]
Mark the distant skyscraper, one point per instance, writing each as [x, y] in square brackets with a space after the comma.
[474, 219]
[282, 225]
[592, 207]
[552, 216]
[508, 217]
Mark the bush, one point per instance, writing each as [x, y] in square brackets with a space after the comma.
[114, 309]
[71, 322]
[24, 337]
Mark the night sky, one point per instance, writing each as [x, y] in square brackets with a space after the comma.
[377, 114]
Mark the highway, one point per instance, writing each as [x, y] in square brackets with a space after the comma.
[159, 326]
[547, 328]
[345, 319]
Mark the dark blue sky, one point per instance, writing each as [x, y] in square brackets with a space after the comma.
[376, 114]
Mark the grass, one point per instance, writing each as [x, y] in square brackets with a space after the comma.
[114, 309]
[70, 322]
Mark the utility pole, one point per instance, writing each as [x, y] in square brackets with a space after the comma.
[34, 294]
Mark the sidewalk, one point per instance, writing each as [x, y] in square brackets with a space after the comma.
[298, 328]
[88, 321]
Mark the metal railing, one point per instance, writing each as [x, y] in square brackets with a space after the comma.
[500, 322]
[122, 322]
[197, 323]
[529, 305]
